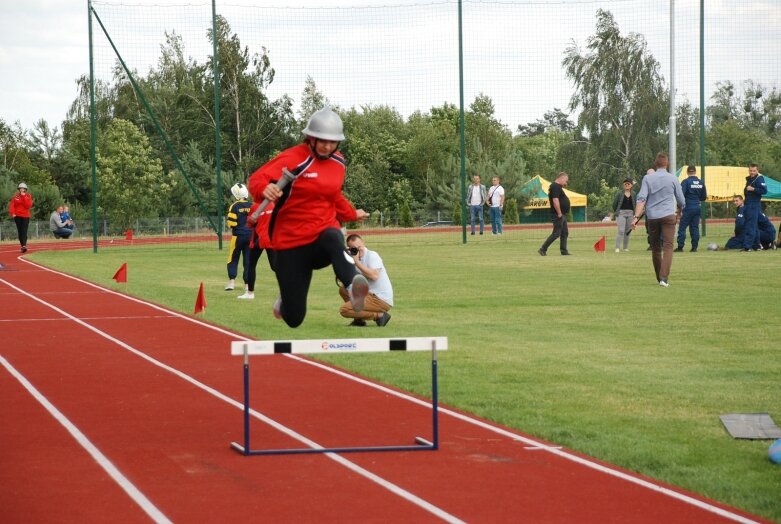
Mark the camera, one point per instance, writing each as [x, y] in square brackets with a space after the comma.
[352, 250]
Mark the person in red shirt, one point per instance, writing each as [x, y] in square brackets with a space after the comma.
[304, 230]
[19, 208]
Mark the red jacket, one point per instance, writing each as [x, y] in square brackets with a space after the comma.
[261, 228]
[314, 200]
[20, 205]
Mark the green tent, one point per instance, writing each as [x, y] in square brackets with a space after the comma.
[538, 209]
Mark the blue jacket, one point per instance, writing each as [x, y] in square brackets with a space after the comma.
[760, 188]
[767, 231]
[694, 192]
[740, 222]
[237, 218]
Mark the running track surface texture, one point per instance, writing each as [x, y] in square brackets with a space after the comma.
[117, 410]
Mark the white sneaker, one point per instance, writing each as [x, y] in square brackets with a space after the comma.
[618, 250]
[626, 249]
[248, 295]
[277, 308]
[358, 291]
[230, 285]
[664, 283]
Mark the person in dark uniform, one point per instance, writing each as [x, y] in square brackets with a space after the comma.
[559, 206]
[755, 188]
[241, 236]
[767, 233]
[694, 192]
[736, 241]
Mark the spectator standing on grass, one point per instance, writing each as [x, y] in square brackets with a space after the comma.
[241, 234]
[475, 199]
[380, 298]
[755, 188]
[305, 226]
[19, 209]
[624, 209]
[559, 206]
[59, 228]
[659, 194]
[694, 192]
[496, 203]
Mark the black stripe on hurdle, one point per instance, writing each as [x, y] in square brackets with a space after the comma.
[283, 347]
[398, 345]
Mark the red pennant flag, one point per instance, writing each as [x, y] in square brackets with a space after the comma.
[121, 274]
[600, 245]
[200, 302]
[129, 234]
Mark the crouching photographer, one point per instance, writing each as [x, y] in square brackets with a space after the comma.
[380, 298]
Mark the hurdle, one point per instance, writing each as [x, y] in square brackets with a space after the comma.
[356, 345]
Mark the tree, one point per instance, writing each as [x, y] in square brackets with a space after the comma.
[555, 120]
[311, 100]
[131, 183]
[622, 100]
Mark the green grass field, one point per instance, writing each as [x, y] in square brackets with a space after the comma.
[586, 351]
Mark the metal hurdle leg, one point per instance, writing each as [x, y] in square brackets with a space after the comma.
[421, 444]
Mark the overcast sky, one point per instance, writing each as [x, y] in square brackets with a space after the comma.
[44, 49]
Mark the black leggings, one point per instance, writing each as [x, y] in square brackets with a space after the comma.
[254, 255]
[294, 268]
[21, 227]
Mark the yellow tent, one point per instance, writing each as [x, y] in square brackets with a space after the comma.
[537, 189]
[724, 182]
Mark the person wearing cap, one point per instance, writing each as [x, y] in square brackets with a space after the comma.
[660, 194]
[624, 210]
[19, 209]
[304, 230]
[694, 192]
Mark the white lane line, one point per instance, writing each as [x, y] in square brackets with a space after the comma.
[128, 487]
[63, 319]
[393, 488]
[514, 436]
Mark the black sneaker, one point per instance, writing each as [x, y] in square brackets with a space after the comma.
[693, 250]
[384, 319]
[565, 253]
[542, 252]
[678, 250]
[24, 249]
[358, 323]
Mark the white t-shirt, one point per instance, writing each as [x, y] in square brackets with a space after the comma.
[477, 198]
[382, 286]
[496, 193]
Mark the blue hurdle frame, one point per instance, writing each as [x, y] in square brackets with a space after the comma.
[421, 444]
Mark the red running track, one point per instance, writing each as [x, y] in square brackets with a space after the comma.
[117, 410]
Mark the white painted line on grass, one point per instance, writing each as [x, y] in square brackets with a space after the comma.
[128, 487]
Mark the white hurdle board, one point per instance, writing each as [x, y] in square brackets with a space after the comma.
[338, 345]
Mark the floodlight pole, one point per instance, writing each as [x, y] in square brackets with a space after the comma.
[461, 123]
[702, 99]
[672, 131]
[93, 133]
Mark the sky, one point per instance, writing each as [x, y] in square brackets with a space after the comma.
[44, 49]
